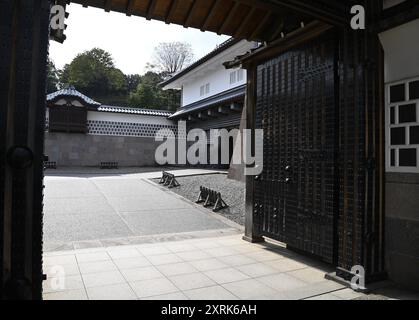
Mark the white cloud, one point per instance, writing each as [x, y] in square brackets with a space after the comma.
[130, 40]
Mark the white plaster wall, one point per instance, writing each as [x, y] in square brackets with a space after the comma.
[401, 47]
[127, 118]
[219, 81]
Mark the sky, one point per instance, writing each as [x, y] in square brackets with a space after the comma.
[130, 40]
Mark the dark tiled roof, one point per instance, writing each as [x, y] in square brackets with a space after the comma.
[220, 98]
[145, 112]
[70, 91]
[224, 46]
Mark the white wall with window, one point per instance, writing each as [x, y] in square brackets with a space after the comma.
[402, 126]
[212, 83]
[401, 52]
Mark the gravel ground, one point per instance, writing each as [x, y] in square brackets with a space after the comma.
[233, 193]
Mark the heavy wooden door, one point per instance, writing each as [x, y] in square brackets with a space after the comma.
[24, 29]
[296, 196]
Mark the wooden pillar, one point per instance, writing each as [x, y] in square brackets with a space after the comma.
[361, 147]
[24, 35]
[252, 233]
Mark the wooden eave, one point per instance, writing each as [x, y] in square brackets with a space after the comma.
[253, 20]
[281, 45]
[398, 15]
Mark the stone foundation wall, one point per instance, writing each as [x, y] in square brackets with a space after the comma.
[402, 228]
[78, 150]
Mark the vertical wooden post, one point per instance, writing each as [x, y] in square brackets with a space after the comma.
[252, 234]
[361, 150]
[23, 58]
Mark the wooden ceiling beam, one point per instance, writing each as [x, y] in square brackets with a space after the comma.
[334, 13]
[150, 9]
[330, 11]
[130, 7]
[261, 27]
[398, 15]
[279, 28]
[172, 7]
[244, 23]
[211, 14]
[190, 14]
[230, 16]
[107, 5]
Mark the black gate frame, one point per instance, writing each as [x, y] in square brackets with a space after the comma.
[296, 196]
[361, 158]
[23, 54]
[24, 29]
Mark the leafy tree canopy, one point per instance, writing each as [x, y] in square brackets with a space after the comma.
[94, 73]
[52, 77]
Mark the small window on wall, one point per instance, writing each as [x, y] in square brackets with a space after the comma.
[236, 76]
[233, 78]
[204, 90]
[402, 126]
[240, 75]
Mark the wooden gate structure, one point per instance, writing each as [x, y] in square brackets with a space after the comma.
[319, 100]
[295, 199]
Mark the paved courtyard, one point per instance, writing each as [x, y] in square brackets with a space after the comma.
[210, 269]
[92, 210]
[222, 268]
[116, 235]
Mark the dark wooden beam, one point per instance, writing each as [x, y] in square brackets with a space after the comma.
[130, 7]
[202, 116]
[261, 27]
[150, 9]
[230, 17]
[281, 45]
[190, 14]
[244, 23]
[170, 11]
[210, 14]
[263, 5]
[212, 113]
[398, 15]
[223, 110]
[334, 13]
[236, 107]
[191, 118]
[107, 6]
[279, 28]
[330, 11]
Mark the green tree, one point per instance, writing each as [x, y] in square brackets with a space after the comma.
[147, 95]
[94, 73]
[132, 80]
[150, 95]
[52, 77]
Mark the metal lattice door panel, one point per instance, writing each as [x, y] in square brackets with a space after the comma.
[295, 197]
